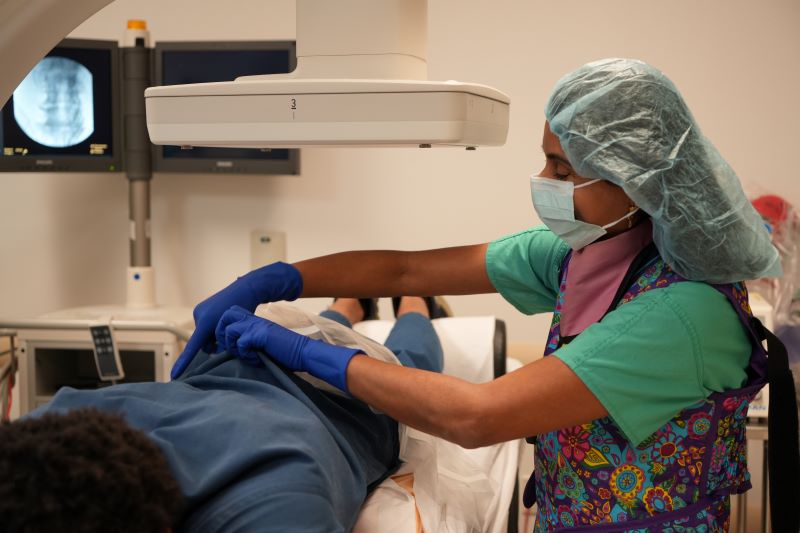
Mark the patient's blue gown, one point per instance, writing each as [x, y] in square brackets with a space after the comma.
[259, 449]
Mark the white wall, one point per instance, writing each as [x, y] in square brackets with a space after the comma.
[63, 238]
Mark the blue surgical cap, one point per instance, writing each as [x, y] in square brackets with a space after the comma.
[623, 121]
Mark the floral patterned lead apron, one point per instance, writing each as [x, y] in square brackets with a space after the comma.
[591, 478]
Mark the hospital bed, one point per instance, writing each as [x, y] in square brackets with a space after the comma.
[454, 489]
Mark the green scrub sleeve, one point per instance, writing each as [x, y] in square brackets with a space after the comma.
[525, 268]
[665, 350]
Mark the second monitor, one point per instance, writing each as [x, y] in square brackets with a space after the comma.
[178, 63]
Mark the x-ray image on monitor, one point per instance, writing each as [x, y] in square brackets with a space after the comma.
[65, 115]
[54, 105]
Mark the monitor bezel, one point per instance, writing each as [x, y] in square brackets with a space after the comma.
[81, 163]
[233, 165]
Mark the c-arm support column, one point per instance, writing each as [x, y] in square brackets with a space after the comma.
[135, 79]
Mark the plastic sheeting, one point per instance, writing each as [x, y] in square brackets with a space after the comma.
[321, 328]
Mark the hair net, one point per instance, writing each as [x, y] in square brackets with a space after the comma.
[623, 121]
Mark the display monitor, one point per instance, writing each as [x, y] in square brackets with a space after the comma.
[178, 63]
[64, 116]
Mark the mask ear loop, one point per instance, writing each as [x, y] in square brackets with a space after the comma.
[631, 210]
[628, 215]
[591, 182]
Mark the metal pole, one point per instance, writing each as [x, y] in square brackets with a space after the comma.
[139, 206]
[135, 79]
[741, 513]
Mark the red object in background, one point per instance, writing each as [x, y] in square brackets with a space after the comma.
[773, 209]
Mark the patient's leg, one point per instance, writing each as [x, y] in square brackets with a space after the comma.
[345, 311]
[413, 339]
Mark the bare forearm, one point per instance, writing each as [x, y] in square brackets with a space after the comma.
[459, 270]
[354, 274]
[434, 403]
[540, 397]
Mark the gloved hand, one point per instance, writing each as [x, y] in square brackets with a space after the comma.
[271, 283]
[245, 335]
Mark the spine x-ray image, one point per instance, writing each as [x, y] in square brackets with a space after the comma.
[54, 104]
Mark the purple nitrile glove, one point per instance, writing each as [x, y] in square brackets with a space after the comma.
[271, 283]
[246, 336]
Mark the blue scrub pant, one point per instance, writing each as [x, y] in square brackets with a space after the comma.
[374, 436]
[412, 339]
[366, 443]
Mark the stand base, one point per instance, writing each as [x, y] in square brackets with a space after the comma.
[141, 285]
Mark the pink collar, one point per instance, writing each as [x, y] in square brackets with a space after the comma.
[594, 275]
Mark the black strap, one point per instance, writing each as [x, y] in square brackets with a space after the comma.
[635, 270]
[783, 448]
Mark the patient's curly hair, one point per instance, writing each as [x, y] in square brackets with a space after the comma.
[83, 471]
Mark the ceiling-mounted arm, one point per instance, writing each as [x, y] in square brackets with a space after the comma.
[361, 79]
[359, 39]
[384, 39]
[29, 29]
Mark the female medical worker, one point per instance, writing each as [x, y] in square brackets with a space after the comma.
[638, 410]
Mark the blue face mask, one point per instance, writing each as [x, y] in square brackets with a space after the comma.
[554, 203]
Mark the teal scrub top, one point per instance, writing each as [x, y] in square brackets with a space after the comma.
[648, 359]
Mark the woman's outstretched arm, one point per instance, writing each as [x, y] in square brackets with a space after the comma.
[458, 270]
[542, 396]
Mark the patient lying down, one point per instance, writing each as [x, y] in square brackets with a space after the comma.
[228, 446]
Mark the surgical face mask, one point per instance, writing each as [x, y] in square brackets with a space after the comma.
[554, 203]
